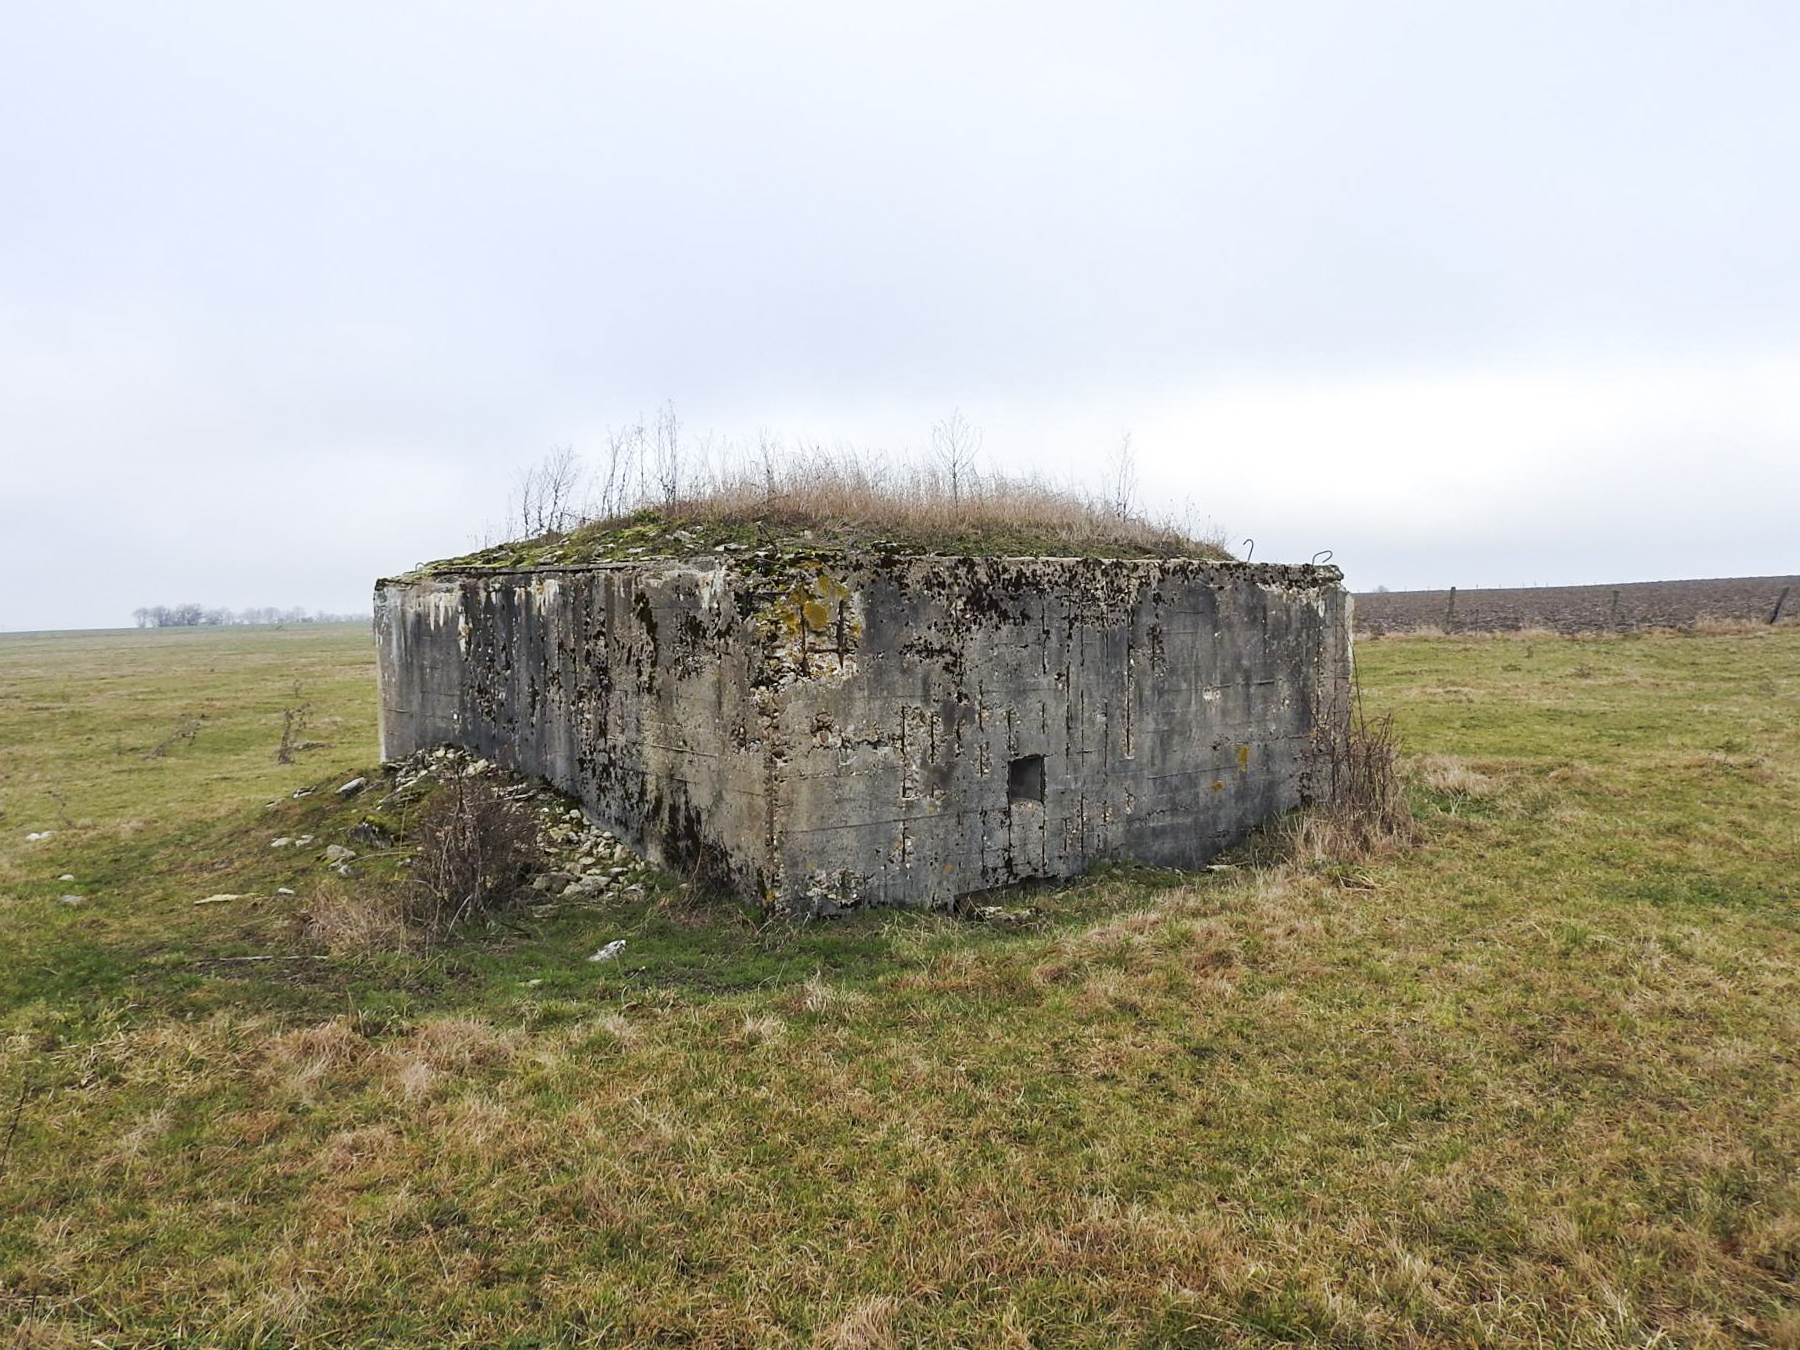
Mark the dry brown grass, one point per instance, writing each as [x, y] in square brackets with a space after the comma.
[812, 498]
[1453, 777]
[38, 1333]
[760, 1029]
[1704, 625]
[1717, 625]
[822, 998]
[866, 1325]
[619, 1028]
[871, 496]
[303, 1058]
[441, 1052]
[1530, 633]
[350, 919]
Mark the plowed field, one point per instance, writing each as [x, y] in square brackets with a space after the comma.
[1583, 609]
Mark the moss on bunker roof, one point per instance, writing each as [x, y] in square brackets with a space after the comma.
[656, 534]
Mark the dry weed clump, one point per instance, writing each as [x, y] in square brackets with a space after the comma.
[867, 1325]
[443, 1048]
[475, 849]
[349, 921]
[459, 1042]
[135, 1141]
[820, 997]
[41, 1333]
[620, 1029]
[1365, 812]
[358, 1150]
[300, 1061]
[1453, 777]
[1718, 625]
[759, 1029]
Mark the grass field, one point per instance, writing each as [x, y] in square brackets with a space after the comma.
[1532, 1082]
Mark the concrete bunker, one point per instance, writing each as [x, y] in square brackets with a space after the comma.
[840, 730]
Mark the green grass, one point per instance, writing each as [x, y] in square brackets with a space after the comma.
[1532, 1082]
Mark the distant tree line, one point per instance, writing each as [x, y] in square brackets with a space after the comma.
[199, 616]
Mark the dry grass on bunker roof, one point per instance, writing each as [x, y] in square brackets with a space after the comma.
[837, 502]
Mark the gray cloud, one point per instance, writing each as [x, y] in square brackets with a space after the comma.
[370, 257]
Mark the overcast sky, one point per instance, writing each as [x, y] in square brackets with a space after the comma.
[1472, 294]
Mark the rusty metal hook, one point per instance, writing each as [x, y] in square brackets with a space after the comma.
[1251, 545]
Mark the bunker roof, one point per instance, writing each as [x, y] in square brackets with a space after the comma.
[650, 535]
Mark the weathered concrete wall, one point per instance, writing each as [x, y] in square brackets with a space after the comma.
[884, 730]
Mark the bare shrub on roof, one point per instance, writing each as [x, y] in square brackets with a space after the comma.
[1121, 479]
[956, 442]
[475, 850]
[546, 496]
[665, 440]
[784, 487]
[845, 488]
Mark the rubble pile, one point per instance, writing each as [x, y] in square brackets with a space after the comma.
[577, 859]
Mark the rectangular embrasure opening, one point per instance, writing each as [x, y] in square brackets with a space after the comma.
[1025, 779]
